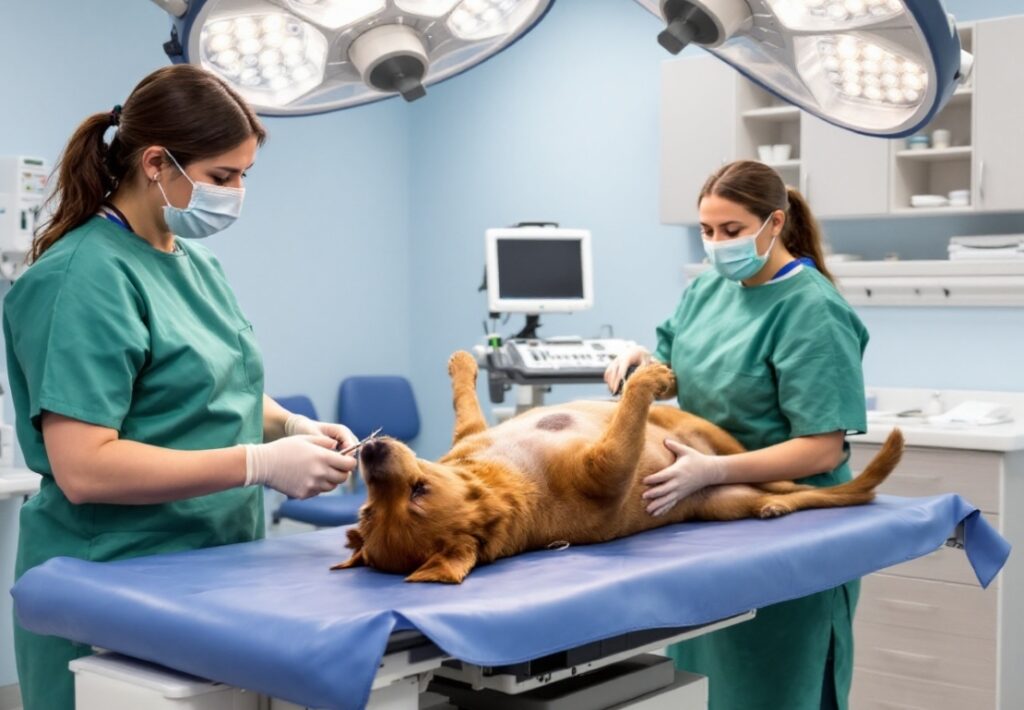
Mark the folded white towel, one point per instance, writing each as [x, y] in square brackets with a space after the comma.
[986, 255]
[988, 241]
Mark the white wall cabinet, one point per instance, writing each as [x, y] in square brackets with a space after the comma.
[843, 174]
[711, 114]
[999, 98]
[696, 136]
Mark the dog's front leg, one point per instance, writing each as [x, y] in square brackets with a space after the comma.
[469, 418]
[605, 468]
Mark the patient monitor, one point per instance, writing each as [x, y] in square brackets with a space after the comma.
[539, 269]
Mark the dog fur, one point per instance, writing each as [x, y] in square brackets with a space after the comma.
[570, 473]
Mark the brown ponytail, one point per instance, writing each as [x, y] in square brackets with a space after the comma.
[761, 190]
[183, 108]
[802, 234]
[83, 182]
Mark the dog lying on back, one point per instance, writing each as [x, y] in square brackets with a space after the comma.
[569, 473]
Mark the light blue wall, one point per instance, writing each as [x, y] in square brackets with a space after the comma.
[319, 260]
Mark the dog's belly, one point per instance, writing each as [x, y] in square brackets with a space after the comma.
[531, 441]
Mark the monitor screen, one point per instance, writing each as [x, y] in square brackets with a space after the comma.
[540, 268]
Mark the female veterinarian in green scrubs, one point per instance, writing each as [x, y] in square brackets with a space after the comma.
[764, 346]
[137, 382]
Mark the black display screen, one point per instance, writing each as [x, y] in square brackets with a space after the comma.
[540, 269]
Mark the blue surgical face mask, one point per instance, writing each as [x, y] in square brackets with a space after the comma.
[737, 259]
[211, 209]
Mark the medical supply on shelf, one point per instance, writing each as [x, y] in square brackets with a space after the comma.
[929, 201]
[997, 247]
[918, 142]
[960, 198]
[941, 138]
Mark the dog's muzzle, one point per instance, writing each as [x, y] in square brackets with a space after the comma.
[371, 456]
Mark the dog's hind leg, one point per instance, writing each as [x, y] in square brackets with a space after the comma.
[604, 469]
[469, 418]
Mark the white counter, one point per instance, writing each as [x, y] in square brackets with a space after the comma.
[917, 432]
[15, 482]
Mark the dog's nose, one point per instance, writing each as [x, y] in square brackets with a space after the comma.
[373, 452]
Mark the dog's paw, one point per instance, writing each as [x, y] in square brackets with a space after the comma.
[656, 378]
[462, 364]
[774, 509]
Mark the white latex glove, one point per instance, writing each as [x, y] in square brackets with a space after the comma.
[614, 373]
[298, 466]
[691, 472]
[297, 425]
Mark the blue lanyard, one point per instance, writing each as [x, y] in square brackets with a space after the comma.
[806, 261]
[114, 215]
[115, 219]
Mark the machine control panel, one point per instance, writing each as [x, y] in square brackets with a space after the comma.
[569, 356]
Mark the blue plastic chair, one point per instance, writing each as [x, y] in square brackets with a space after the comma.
[298, 404]
[364, 404]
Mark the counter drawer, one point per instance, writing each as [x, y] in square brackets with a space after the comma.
[884, 691]
[974, 475]
[904, 602]
[931, 656]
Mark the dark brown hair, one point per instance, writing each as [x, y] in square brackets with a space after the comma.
[183, 108]
[761, 191]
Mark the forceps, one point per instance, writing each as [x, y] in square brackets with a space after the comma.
[362, 442]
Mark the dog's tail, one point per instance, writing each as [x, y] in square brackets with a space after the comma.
[862, 488]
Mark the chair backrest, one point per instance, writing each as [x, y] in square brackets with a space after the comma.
[366, 402]
[298, 404]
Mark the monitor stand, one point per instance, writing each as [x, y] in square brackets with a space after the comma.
[529, 331]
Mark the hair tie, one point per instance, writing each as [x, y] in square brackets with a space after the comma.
[115, 115]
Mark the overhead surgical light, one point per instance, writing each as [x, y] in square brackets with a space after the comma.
[291, 57]
[878, 67]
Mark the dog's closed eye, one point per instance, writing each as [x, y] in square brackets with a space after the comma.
[419, 489]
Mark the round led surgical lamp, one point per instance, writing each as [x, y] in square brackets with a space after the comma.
[877, 67]
[295, 57]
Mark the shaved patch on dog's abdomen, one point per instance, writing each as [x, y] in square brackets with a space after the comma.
[555, 422]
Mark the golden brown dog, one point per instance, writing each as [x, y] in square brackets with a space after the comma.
[569, 473]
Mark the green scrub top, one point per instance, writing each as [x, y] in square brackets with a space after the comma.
[106, 329]
[770, 363]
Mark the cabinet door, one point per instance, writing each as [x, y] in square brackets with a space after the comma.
[999, 114]
[844, 173]
[698, 119]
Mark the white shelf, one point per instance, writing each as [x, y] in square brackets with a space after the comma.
[773, 113]
[785, 165]
[925, 283]
[935, 154]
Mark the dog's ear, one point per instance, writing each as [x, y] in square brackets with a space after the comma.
[355, 542]
[449, 566]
